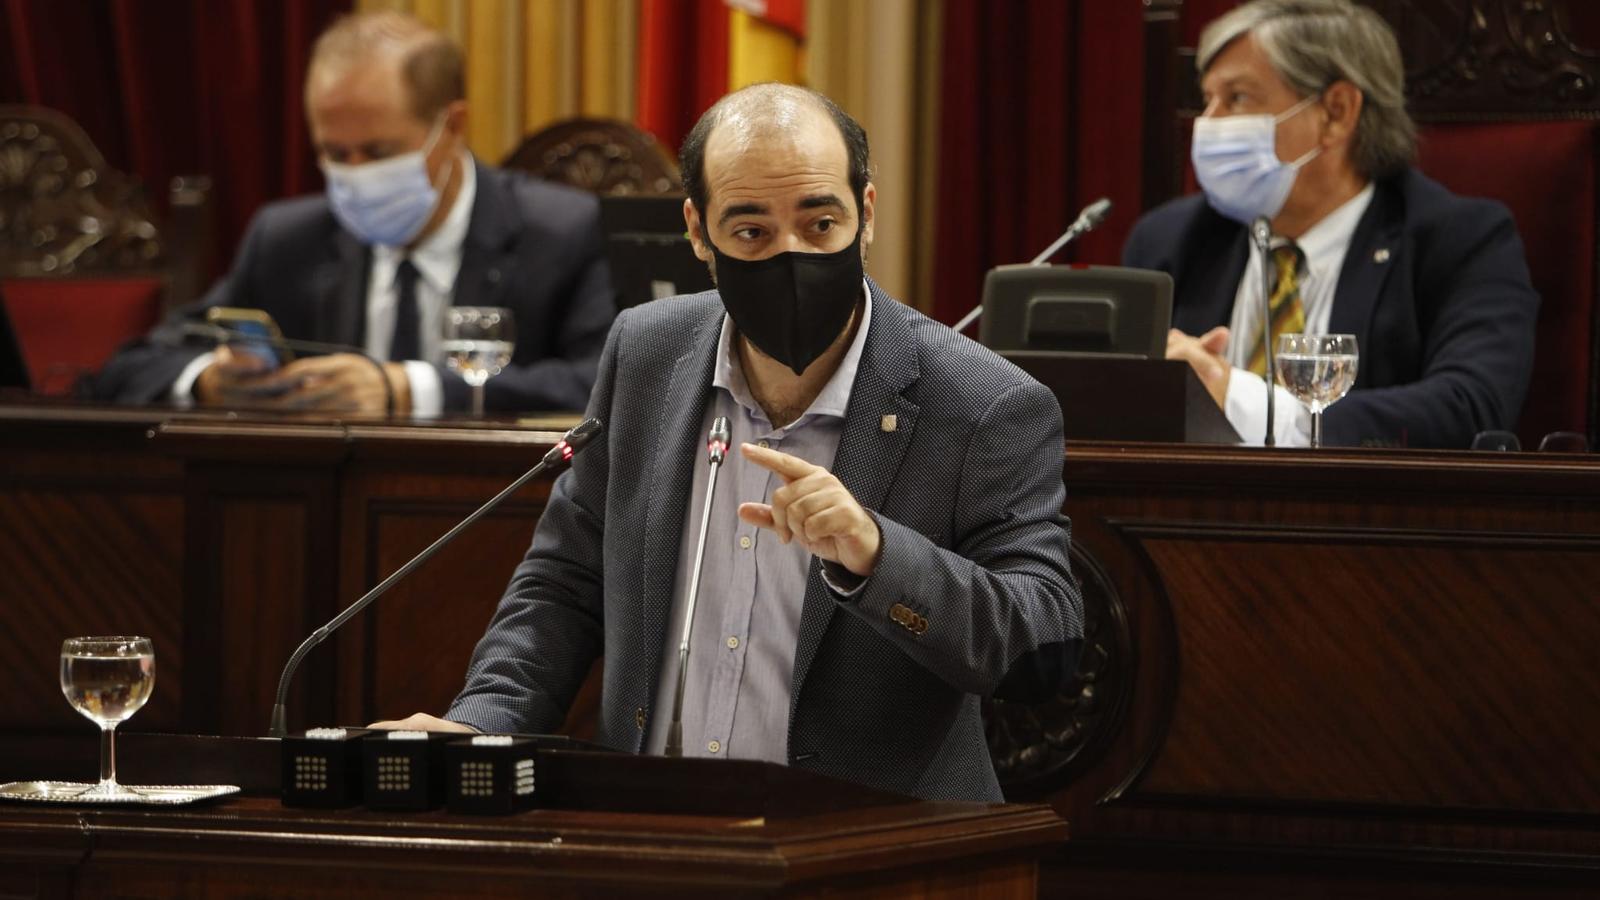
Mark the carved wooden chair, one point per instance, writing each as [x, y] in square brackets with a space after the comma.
[83, 263]
[605, 156]
[1507, 104]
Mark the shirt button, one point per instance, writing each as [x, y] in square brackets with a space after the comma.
[763, 445]
[714, 746]
[733, 643]
[744, 542]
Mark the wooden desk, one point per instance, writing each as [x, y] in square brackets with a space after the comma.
[1304, 667]
[684, 828]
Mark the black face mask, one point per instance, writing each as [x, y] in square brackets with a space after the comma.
[791, 306]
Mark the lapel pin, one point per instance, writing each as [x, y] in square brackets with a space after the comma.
[889, 423]
[1381, 255]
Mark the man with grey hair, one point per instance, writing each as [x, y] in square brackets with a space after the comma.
[885, 547]
[1305, 126]
[411, 225]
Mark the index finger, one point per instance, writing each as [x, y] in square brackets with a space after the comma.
[788, 467]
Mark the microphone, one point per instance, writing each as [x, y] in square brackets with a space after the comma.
[1089, 218]
[1261, 237]
[218, 334]
[716, 452]
[555, 459]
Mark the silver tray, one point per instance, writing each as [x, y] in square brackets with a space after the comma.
[76, 792]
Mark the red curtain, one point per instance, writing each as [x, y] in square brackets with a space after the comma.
[1040, 115]
[683, 64]
[177, 87]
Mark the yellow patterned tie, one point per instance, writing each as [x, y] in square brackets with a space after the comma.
[1288, 316]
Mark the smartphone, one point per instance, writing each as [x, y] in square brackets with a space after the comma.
[254, 333]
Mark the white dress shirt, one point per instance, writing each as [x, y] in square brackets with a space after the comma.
[438, 260]
[1324, 246]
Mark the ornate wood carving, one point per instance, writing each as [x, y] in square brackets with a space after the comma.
[1037, 749]
[599, 155]
[1474, 60]
[1500, 59]
[63, 211]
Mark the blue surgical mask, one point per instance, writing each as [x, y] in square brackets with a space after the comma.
[1236, 162]
[386, 201]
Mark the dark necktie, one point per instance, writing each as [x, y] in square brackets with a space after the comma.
[406, 343]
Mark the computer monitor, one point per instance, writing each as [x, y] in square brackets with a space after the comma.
[1101, 310]
[13, 372]
[649, 250]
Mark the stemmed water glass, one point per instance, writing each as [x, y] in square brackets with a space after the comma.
[1317, 369]
[478, 341]
[107, 679]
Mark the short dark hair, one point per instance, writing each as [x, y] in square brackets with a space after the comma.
[692, 156]
[431, 64]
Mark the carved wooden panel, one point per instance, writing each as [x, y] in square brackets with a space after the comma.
[1465, 60]
[1038, 748]
[1325, 668]
[85, 548]
[63, 211]
[1493, 59]
[603, 156]
[419, 641]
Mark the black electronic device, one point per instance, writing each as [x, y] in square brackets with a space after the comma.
[1104, 310]
[13, 370]
[404, 769]
[648, 247]
[490, 774]
[322, 767]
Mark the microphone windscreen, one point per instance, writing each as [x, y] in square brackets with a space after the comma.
[583, 433]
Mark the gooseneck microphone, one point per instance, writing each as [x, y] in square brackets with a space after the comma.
[1089, 218]
[716, 452]
[557, 458]
[1261, 237]
[219, 335]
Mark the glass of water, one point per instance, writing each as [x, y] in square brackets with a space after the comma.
[1317, 369]
[478, 341]
[107, 679]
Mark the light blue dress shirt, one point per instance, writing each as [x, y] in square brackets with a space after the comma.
[747, 618]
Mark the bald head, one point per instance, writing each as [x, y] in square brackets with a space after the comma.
[425, 67]
[767, 115]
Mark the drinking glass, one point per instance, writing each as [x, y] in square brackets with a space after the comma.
[478, 341]
[1317, 369]
[107, 679]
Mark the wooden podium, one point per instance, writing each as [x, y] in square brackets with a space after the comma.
[617, 824]
[1125, 398]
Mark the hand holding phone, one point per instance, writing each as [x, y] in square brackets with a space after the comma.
[252, 332]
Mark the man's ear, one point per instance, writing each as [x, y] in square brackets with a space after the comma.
[696, 233]
[1343, 101]
[869, 201]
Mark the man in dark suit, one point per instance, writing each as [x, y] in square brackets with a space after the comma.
[411, 225]
[1305, 124]
[885, 549]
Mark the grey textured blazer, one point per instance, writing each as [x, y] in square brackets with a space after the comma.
[973, 582]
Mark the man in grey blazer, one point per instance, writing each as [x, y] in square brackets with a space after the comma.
[885, 549]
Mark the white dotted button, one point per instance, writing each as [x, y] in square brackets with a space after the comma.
[744, 542]
[714, 746]
[733, 643]
[763, 445]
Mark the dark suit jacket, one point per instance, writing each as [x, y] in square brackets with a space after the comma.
[531, 246]
[1434, 287]
[966, 489]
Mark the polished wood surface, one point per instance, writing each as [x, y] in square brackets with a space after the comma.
[681, 827]
[1373, 665]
